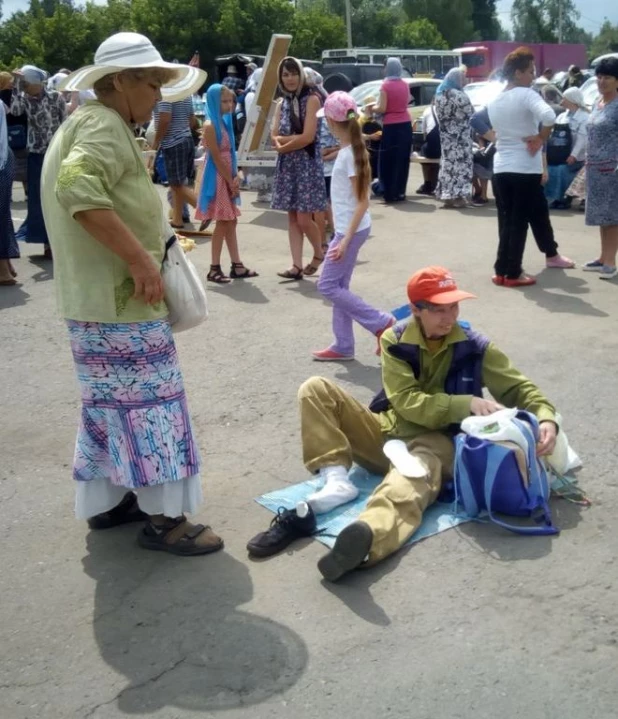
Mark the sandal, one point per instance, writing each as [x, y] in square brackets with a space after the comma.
[311, 269]
[178, 536]
[127, 511]
[289, 275]
[215, 274]
[236, 275]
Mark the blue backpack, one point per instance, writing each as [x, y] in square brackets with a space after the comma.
[487, 477]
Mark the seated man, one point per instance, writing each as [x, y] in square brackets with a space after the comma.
[433, 373]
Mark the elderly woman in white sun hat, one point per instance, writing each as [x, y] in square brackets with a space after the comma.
[136, 458]
[566, 148]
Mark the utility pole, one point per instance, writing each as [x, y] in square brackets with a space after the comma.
[560, 21]
[348, 22]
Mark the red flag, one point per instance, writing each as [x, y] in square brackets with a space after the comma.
[195, 60]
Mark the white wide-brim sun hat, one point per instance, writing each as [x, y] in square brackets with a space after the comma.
[132, 51]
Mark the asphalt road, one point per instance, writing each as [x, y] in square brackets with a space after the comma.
[472, 623]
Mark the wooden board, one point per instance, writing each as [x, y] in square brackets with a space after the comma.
[255, 146]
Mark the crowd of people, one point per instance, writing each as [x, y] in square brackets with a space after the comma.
[91, 200]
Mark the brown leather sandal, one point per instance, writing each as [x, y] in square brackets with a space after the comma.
[311, 269]
[289, 275]
[178, 536]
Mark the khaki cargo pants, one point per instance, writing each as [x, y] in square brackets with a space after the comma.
[337, 429]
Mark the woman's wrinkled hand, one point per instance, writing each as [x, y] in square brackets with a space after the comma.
[147, 279]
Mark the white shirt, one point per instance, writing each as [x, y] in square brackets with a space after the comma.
[577, 121]
[428, 121]
[516, 114]
[342, 195]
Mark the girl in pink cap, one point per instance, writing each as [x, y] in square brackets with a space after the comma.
[350, 202]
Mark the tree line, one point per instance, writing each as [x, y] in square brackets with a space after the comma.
[59, 33]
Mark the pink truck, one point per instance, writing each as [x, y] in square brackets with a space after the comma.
[482, 58]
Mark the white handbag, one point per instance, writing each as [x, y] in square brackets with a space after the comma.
[185, 295]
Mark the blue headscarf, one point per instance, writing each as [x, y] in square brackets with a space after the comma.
[394, 69]
[454, 80]
[220, 123]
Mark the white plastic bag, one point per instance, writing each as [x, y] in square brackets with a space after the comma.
[185, 295]
[497, 427]
[564, 459]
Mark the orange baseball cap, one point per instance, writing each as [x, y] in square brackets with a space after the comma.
[435, 285]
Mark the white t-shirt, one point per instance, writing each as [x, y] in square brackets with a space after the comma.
[342, 195]
[429, 120]
[516, 114]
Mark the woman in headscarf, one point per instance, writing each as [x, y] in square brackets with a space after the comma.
[454, 110]
[46, 110]
[396, 142]
[566, 148]
[136, 458]
[299, 180]
[8, 246]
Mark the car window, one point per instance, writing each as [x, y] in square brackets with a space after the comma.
[427, 94]
[415, 95]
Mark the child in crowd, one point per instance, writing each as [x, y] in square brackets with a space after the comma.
[350, 202]
[219, 194]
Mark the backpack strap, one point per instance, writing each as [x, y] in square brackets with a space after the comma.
[464, 495]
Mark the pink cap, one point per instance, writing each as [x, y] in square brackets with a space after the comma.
[339, 107]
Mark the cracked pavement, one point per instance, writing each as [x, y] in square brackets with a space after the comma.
[471, 623]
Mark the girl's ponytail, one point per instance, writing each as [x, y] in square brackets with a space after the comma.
[361, 158]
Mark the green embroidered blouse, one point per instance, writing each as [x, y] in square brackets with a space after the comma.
[94, 162]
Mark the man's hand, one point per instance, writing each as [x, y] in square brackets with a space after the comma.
[547, 438]
[571, 160]
[482, 407]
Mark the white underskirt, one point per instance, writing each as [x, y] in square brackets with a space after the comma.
[171, 499]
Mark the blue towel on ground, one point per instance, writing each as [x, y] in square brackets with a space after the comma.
[437, 518]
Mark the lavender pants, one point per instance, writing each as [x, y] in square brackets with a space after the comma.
[334, 285]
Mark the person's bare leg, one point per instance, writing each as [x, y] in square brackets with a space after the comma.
[484, 184]
[216, 243]
[231, 240]
[609, 244]
[295, 236]
[308, 227]
[188, 195]
[320, 221]
[177, 203]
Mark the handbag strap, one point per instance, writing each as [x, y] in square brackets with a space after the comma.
[168, 245]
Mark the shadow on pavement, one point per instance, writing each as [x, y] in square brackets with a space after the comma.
[241, 291]
[412, 206]
[271, 218]
[566, 300]
[361, 375]
[12, 296]
[46, 268]
[172, 627]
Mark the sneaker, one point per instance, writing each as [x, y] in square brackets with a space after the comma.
[329, 355]
[559, 262]
[593, 266]
[379, 334]
[350, 551]
[608, 272]
[284, 529]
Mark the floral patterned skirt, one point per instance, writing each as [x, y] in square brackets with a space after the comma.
[135, 429]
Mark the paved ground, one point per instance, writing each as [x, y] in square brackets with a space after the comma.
[471, 623]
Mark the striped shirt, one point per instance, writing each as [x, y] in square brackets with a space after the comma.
[180, 124]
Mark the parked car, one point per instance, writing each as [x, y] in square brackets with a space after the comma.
[591, 92]
[482, 93]
[422, 91]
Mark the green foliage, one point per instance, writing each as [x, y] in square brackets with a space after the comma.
[453, 19]
[485, 20]
[606, 41]
[419, 34]
[540, 20]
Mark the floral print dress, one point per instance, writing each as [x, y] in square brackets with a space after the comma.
[299, 175]
[453, 111]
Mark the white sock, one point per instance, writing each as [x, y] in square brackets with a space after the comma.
[337, 490]
[405, 463]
